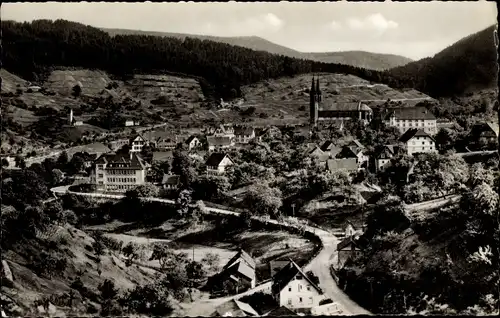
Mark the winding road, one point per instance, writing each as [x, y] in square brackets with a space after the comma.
[320, 265]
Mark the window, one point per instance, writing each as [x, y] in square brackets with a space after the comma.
[289, 289]
[289, 301]
[298, 277]
[309, 288]
[101, 175]
[300, 287]
[300, 299]
[310, 300]
[423, 142]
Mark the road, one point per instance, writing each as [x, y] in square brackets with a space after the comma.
[320, 265]
[432, 204]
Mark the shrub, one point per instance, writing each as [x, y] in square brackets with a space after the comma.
[48, 265]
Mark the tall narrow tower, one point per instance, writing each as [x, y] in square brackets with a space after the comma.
[318, 91]
[70, 117]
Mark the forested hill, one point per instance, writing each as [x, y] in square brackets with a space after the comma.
[31, 49]
[369, 60]
[467, 65]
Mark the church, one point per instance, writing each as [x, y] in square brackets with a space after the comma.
[335, 112]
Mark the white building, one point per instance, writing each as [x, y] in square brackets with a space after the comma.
[418, 141]
[383, 156]
[193, 142]
[136, 143]
[293, 289]
[217, 163]
[118, 172]
[244, 134]
[411, 117]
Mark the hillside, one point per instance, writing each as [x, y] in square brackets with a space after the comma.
[467, 65]
[374, 61]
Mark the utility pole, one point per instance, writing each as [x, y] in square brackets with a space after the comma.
[293, 209]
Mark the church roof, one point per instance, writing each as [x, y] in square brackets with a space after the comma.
[346, 106]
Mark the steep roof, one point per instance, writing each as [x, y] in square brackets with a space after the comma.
[410, 113]
[349, 164]
[286, 274]
[190, 139]
[245, 130]
[135, 136]
[356, 143]
[348, 241]
[281, 311]
[327, 145]
[242, 263]
[387, 150]
[171, 179]
[414, 132]
[243, 255]
[219, 140]
[215, 159]
[113, 158]
[234, 308]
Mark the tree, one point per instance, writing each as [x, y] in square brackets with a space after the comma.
[183, 201]
[211, 187]
[262, 199]
[147, 152]
[57, 176]
[445, 139]
[169, 259]
[76, 91]
[76, 163]
[151, 299]
[181, 165]
[195, 271]
[146, 190]
[130, 252]
[62, 160]
[159, 169]
[108, 290]
[212, 261]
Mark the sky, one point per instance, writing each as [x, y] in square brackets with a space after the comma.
[412, 29]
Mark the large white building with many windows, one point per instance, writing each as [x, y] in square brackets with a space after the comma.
[118, 172]
[411, 117]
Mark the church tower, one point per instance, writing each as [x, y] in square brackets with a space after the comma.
[314, 103]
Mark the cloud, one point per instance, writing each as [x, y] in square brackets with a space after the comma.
[376, 22]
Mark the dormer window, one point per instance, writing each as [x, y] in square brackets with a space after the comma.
[298, 277]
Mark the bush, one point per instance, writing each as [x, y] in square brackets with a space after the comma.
[48, 265]
[302, 108]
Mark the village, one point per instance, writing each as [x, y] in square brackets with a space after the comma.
[261, 169]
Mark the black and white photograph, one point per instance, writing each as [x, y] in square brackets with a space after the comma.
[234, 159]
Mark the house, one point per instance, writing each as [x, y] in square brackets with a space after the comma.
[281, 312]
[382, 156]
[118, 172]
[293, 289]
[217, 163]
[239, 270]
[243, 135]
[219, 142]
[405, 118]
[325, 113]
[136, 143]
[484, 136]
[354, 150]
[129, 123]
[317, 153]
[192, 142]
[164, 143]
[418, 141]
[327, 146]
[348, 165]
[170, 181]
[346, 248]
[234, 308]
[224, 130]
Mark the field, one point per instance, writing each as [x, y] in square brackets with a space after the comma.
[209, 236]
